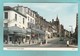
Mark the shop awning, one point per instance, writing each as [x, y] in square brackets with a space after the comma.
[24, 31]
[14, 29]
[28, 30]
[38, 31]
[34, 30]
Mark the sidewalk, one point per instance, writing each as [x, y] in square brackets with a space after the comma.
[75, 46]
[51, 39]
[22, 44]
[48, 40]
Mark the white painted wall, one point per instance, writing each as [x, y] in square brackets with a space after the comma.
[31, 19]
[11, 20]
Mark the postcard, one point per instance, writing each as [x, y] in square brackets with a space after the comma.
[42, 26]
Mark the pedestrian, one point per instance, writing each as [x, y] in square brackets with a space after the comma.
[67, 43]
[19, 42]
[29, 41]
[24, 40]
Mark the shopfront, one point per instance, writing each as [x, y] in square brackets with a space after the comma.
[35, 35]
[13, 35]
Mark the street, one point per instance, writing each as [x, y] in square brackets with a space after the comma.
[51, 43]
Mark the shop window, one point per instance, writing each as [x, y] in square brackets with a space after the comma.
[5, 24]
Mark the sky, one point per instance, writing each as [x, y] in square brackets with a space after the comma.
[66, 12]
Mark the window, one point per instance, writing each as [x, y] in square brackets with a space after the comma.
[23, 20]
[23, 28]
[6, 15]
[28, 11]
[5, 24]
[28, 24]
[15, 24]
[17, 9]
[31, 20]
[34, 15]
[28, 18]
[15, 17]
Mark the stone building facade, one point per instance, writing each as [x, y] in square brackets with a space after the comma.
[28, 22]
[76, 30]
[57, 25]
[33, 26]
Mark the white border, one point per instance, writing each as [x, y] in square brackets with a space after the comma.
[41, 49]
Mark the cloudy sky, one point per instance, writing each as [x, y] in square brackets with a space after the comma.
[66, 12]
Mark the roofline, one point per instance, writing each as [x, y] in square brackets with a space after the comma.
[10, 8]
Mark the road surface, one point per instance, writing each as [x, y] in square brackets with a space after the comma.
[52, 43]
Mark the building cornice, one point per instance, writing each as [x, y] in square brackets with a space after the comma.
[8, 8]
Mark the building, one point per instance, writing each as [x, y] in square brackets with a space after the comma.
[27, 12]
[66, 33]
[44, 26]
[21, 23]
[57, 25]
[15, 24]
[75, 35]
[39, 29]
[61, 30]
[13, 18]
[22, 20]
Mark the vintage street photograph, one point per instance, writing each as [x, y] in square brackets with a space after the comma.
[40, 25]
